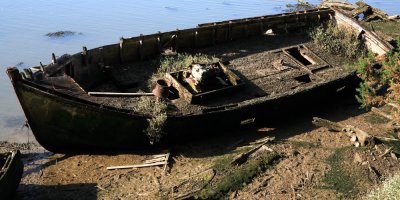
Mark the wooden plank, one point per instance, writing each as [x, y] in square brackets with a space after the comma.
[136, 166]
[159, 155]
[162, 159]
[118, 94]
[372, 41]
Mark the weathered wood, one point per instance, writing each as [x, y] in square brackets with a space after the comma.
[118, 94]
[386, 139]
[159, 155]
[394, 105]
[166, 161]
[332, 126]
[241, 158]
[155, 160]
[372, 40]
[263, 140]
[136, 166]
[387, 151]
[338, 4]
[381, 113]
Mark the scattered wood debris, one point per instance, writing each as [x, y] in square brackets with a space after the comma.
[360, 10]
[381, 113]
[161, 159]
[358, 136]
[241, 158]
[362, 138]
[387, 151]
[192, 185]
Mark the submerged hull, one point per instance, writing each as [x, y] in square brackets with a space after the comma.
[11, 174]
[64, 122]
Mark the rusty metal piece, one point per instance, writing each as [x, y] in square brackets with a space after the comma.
[161, 90]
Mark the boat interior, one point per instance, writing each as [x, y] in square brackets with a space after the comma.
[258, 57]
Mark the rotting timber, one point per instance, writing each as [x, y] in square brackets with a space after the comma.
[265, 73]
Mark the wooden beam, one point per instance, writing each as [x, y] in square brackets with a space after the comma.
[363, 138]
[136, 166]
[118, 94]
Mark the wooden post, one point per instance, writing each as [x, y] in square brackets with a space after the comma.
[53, 58]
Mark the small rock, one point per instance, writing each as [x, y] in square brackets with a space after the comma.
[353, 139]
[356, 144]
[357, 158]
[364, 163]
[393, 155]
[233, 195]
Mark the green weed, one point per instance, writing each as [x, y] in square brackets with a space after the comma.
[157, 110]
[337, 41]
[338, 178]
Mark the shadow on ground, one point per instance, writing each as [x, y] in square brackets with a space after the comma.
[70, 191]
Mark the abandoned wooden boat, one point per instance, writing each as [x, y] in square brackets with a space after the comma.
[90, 100]
[11, 168]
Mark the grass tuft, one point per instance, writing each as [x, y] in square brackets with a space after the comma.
[337, 41]
[338, 178]
[157, 109]
[390, 190]
[237, 178]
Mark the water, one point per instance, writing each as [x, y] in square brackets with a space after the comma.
[23, 25]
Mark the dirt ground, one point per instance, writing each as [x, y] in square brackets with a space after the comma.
[314, 163]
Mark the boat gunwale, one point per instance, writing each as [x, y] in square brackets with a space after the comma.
[61, 97]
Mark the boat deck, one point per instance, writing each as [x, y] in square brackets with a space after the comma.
[263, 63]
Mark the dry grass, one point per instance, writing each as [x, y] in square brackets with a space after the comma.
[389, 190]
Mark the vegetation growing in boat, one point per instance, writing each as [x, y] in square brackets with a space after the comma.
[337, 41]
[182, 61]
[157, 110]
[380, 78]
[179, 62]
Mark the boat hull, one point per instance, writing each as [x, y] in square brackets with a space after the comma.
[62, 124]
[11, 178]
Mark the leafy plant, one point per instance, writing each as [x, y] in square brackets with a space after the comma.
[380, 78]
[157, 110]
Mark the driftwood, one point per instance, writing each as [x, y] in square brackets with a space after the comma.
[394, 106]
[369, 13]
[381, 113]
[241, 158]
[363, 138]
[117, 94]
[357, 135]
[136, 166]
[155, 161]
[387, 151]
[338, 4]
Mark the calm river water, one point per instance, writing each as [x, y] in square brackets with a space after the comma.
[23, 25]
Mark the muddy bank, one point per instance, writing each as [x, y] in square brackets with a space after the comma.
[310, 159]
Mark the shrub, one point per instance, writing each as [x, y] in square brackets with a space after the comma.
[157, 110]
[380, 79]
[337, 41]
